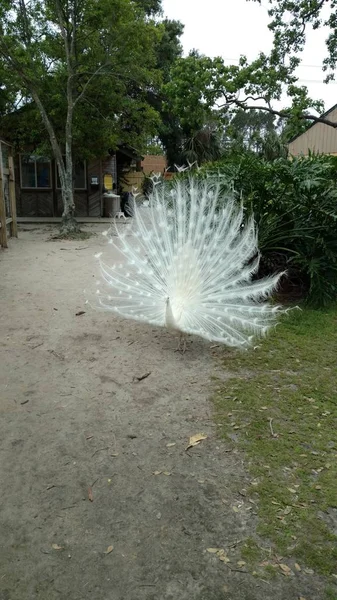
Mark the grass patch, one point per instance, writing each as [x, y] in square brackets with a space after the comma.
[280, 408]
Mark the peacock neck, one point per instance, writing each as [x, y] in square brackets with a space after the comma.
[170, 321]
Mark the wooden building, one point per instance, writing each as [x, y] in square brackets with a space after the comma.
[38, 190]
[318, 138]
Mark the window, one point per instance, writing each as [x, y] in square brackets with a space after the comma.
[80, 176]
[35, 171]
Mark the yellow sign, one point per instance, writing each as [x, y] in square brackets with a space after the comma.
[108, 181]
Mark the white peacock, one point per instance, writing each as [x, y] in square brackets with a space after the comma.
[188, 266]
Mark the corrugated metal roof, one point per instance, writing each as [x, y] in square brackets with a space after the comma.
[313, 123]
[319, 138]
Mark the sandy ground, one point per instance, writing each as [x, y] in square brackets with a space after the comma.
[91, 459]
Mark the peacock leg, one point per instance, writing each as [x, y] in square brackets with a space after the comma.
[181, 344]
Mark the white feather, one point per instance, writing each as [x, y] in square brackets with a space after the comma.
[188, 265]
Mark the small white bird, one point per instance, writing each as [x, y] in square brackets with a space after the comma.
[189, 266]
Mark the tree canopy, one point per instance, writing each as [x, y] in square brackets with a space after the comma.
[83, 68]
[290, 21]
[203, 89]
[52, 47]
[115, 68]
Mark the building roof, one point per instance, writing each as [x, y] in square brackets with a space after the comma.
[129, 151]
[313, 123]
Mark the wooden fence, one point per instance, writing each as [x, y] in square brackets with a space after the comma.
[7, 194]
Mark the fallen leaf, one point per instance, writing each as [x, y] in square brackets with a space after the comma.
[285, 569]
[79, 313]
[195, 440]
[297, 567]
[264, 408]
[318, 487]
[57, 547]
[157, 472]
[115, 454]
[90, 495]
[167, 473]
[287, 510]
[292, 490]
[235, 508]
[241, 563]
[301, 598]
[109, 549]
[170, 445]
[224, 558]
[213, 550]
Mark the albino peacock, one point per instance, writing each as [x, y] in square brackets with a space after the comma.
[188, 266]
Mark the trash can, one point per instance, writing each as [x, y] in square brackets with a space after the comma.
[111, 205]
[127, 204]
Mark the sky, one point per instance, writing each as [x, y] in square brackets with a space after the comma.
[230, 28]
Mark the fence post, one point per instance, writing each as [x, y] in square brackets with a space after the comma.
[3, 229]
[12, 198]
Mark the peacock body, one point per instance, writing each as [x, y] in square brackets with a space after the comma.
[188, 263]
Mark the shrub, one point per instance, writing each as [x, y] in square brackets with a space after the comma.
[295, 207]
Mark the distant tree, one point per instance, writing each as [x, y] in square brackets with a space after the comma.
[199, 84]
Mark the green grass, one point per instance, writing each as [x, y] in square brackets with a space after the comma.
[281, 404]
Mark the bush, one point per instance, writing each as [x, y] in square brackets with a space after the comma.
[295, 207]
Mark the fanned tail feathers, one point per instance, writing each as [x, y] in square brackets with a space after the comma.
[191, 248]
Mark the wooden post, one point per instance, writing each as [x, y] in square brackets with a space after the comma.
[12, 198]
[3, 230]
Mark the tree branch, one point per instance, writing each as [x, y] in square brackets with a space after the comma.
[25, 21]
[310, 14]
[64, 33]
[85, 86]
[282, 114]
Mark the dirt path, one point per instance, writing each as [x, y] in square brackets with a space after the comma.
[72, 418]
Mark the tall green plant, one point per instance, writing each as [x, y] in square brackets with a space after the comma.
[294, 203]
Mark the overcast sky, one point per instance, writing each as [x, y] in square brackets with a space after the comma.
[229, 28]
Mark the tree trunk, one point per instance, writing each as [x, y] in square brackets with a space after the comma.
[69, 224]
